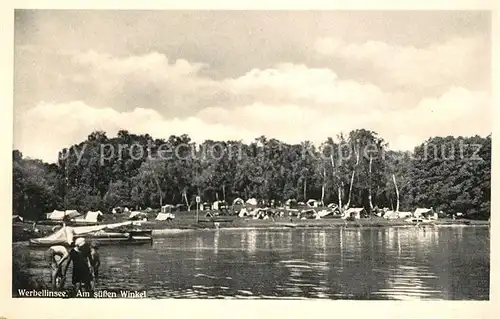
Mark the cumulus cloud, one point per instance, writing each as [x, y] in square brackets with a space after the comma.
[174, 88]
[448, 63]
[456, 112]
[46, 128]
[153, 94]
[315, 86]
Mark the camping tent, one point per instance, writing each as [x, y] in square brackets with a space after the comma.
[324, 213]
[238, 201]
[252, 201]
[93, 217]
[137, 215]
[60, 214]
[422, 212]
[243, 212]
[165, 216]
[353, 212]
[167, 208]
[391, 214]
[404, 214]
[216, 204]
[313, 203]
[290, 202]
[17, 218]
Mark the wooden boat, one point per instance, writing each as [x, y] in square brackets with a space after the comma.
[102, 235]
[418, 220]
[288, 225]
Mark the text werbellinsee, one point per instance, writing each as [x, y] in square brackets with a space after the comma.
[46, 293]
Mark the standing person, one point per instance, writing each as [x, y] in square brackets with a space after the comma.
[95, 260]
[82, 268]
[55, 255]
[68, 230]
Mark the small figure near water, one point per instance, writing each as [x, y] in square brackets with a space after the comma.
[95, 261]
[55, 256]
[83, 271]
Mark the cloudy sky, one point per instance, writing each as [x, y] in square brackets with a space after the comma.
[240, 74]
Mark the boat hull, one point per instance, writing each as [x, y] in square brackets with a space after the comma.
[108, 239]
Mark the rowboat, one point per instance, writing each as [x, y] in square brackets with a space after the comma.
[100, 234]
[418, 220]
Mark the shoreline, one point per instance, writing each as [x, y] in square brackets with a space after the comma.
[316, 224]
[160, 228]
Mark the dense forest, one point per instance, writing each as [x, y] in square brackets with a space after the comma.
[452, 174]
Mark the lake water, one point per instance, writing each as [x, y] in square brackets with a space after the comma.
[448, 263]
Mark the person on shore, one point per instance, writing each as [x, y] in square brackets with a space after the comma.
[95, 260]
[55, 255]
[82, 275]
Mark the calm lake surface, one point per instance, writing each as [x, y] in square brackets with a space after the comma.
[449, 263]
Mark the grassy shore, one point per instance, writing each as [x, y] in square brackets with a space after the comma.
[188, 221]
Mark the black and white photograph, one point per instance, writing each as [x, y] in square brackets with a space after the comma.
[252, 154]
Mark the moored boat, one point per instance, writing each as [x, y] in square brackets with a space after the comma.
[418, 220]
[120, 233]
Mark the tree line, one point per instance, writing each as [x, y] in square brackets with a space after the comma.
[452, 174]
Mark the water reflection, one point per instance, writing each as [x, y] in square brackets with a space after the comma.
[216, 242]
[392, 263]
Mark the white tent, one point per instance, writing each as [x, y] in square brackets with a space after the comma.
[252, 201]
[72, 213]
[238, 201]
[254, 212]
[165, 216]
[404, 214]
[391, 215]
[243, 213]
[215, 205]
[324, 212]
[313, 203]
[60, 214]
[56, 215]
[290, 202]
[353, 212]
[93, 217]
[421, 211]
[136, 214]
[167, 208]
